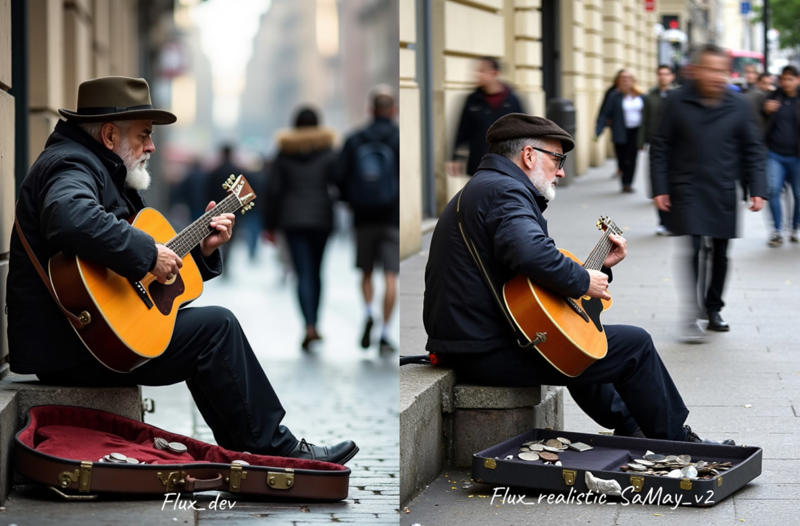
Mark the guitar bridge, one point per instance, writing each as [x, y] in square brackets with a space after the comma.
[142, 293]
[577, 308]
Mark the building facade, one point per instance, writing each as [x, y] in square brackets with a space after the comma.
[548, 49]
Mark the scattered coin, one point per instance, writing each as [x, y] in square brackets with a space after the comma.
[684, 459]
[675, 474]
[117, 456]
[536, 447]
[644, 462]
[529, 456]
[548, 456]
[130, 460]
[654, 457]
[177, 447]
[554, 443]
[240, 462]
[636, 467]
[564, 441]
[689, 472]
[160, 443]
[551, 449]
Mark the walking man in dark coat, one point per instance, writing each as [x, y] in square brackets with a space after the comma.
[490, 100]
[706, 147]
[77, 198]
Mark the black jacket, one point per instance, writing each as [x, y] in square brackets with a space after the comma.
[699, 155]
[612, 115]
[502, 214]
[298, 187]
[769, 118]
[72, 200]
[383, 130]
[476, 117]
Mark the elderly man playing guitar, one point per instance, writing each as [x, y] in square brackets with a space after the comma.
[493, 233]
[76, 203]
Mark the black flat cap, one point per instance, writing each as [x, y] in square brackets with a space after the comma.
[519, 125]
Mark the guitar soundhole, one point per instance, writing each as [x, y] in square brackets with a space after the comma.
[164, 295]
[593, 307]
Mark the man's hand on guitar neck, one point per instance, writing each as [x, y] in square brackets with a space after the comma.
[223, 224]
[618, 250]
[167, 264]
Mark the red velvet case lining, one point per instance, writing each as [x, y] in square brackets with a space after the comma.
[78, 433]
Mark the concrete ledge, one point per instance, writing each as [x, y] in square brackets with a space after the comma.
[18, 393]
[485, 416]
[425, 395]
[443, 424]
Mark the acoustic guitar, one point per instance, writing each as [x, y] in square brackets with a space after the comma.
[125, 323]
[567, 332]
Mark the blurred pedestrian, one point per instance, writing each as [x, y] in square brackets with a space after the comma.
[750, 78]
[611, 89]
[623, 114]
[758, 95]
[707, 142]
[299, 204]
[650, 119]
[782, 111]
[214, 192]
[369, 175]
[490, 100]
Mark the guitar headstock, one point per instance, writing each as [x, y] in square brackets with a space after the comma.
[240, 188]
[605, 223]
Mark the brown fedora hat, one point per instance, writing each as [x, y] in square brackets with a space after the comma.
[116, 98]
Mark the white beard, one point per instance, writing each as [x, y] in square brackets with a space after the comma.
[138, 177]
[539, 180]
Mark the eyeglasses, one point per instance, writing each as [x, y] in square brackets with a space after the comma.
[561, 158]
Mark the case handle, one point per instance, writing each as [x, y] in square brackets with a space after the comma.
[196, 484]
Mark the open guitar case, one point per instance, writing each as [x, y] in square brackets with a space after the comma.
[62, 447]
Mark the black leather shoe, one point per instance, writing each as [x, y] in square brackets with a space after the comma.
[716, 323]
[365, 337]
[691, 436]
[338, 454]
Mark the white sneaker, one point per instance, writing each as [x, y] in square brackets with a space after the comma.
[776, 239]
[795, 237]
[661, 230]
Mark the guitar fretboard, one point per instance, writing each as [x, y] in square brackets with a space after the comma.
[192, 235]
[599, 252]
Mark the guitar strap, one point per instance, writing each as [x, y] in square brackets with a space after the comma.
[522, 341]
[77, 321]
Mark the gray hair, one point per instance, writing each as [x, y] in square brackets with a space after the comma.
[512, 147]
[93, 128]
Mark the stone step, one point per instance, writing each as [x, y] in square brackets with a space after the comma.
[18, 393]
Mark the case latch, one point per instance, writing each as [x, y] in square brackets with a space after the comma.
[280, 480]
[235, 478]
[490, 463]
[637, 483]
[81, 475]
[686, 484]
[569, 476]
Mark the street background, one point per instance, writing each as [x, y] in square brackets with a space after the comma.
[743, 385]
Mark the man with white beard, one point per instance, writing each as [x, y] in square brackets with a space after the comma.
[77, 198]
[500, 214]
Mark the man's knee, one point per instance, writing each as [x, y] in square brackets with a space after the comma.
[630, 336]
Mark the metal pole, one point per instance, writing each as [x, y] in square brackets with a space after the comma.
[425, 75]
[766, 38]
[19, 89]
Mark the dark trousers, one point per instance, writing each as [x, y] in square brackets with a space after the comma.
[709, 264]
[629, 386]
[306, 248]
[210, 352]
[627, 153]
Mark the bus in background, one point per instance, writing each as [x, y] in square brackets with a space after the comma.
[739, 59]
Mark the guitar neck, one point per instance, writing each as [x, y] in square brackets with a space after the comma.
[599, 253]
[192, 235]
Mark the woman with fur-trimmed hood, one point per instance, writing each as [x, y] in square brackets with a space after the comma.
[299, 203]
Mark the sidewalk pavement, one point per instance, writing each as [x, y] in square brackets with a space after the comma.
[744, 384]
[337, 392]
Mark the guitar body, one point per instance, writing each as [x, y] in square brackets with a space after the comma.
[124, 332]
[572, 341]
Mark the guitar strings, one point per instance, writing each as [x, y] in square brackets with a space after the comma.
[193, 234]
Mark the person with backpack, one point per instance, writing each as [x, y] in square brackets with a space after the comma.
[369, 178]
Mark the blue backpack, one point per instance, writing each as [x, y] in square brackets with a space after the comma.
[374, 183]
